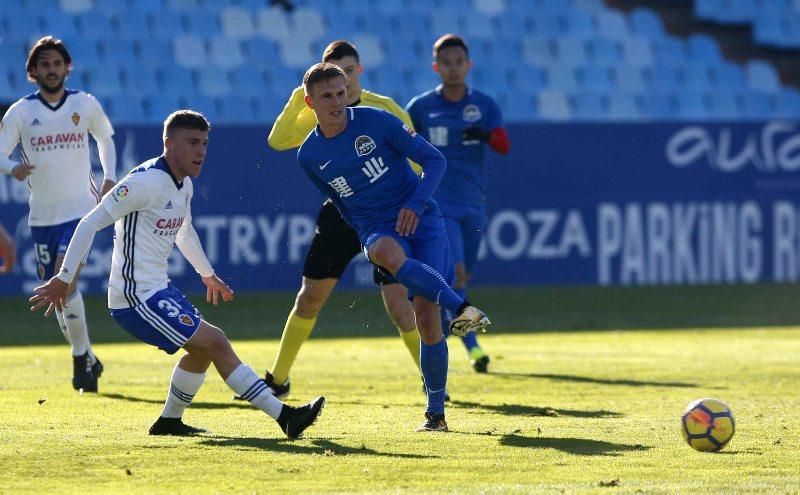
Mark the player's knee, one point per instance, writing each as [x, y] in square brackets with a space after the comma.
[401, 314]
[308, 303]
[215, 342]
[387, 255]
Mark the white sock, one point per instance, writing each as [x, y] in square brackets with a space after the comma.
[182, 389]
[62, 325]
[75, 321]
[247, 384]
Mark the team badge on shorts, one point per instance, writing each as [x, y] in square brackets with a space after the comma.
[186, 320]
[120, 193]
[472, 113]
[76, 118]
[364, 145]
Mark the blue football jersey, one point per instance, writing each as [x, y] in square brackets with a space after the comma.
[365, 172]
[442, 123]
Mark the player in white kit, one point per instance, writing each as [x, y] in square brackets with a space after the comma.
[52, 128]
[150, 209]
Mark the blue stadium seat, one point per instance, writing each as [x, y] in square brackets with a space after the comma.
[579, 25]
[370, 51]
[133, 25]
[442, 21]
[669, 51]
[629, 79]
[7, 92]
[273, 23]
[657, 106]
[702, 48]
[637, 51]
[166, 27]
[260, 52]
[95, 26]
[538, 51]
[545, 25]
[787, 104]
[154, 53]
[283, 82]
[489, 7]
[708, 9]
[202, 24]
[147, 5]
[375, 22]
[553, 104]
[727, 75]
[117, 53]
[588, 106]
[141, 81]
[74, 6]
[63, 26]
[489, 80]
[182, 5]
[611, 24]
[21, 27]
[177, 81]
[390, 79]
[247, 81]
[722, 105]
[511, 25]
[411, 24]
[623, 106]
[554, 6]
[696, 78]
[477, 26]
[126, 109]
[189, 51]
[603, 51]
[691, 106]
[158, 106]
[595, 79]
[77, 80]
[561, 78]
[204, 104]
[768, 29]
[526, 78]
[236, 110]
[225, 52]
[308, 23]
[570, 51]
[646, 23]
[12, 53]
[518, 106]
[213, 82]
[268, 107]
[756, 105]
[105, 83]
[237, 23]
[113, 8]
[84, 53]
[404, 51]
[662, 78]
[297, 54]
[762, 76]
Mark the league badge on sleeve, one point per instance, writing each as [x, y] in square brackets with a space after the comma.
[411, 132]
[120, 193]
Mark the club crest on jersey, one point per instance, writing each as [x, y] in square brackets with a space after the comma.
[409, 130]
[472, 113]
[186, 320]
[364, 145]
[120, 193]
[76, 118]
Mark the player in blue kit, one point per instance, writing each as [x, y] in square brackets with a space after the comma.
[357, 157]
[459, 121]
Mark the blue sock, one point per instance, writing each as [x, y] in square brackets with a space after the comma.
[428, 283]
[470, 340]
[433, 360]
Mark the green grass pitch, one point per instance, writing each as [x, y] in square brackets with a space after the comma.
[584, 396]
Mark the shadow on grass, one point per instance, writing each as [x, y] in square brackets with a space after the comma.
[576, 446]
[318, 447]
[599, 381]
[195, 405]
[520, 410]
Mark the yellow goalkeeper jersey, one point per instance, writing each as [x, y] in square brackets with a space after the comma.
[297, 120]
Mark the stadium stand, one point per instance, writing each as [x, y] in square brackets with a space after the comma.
[543, 59]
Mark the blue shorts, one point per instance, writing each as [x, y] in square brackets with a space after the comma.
[428, 244]
[465, 227]
[50, 242]
[166, 320]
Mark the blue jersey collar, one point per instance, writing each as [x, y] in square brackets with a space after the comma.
[318, 131]
[161, 164]
[441, 86]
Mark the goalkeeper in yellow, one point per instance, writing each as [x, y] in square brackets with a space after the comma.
[335, 243]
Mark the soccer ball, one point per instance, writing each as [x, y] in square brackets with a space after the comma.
[707, 425]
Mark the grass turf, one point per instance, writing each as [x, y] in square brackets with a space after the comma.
[594, 410]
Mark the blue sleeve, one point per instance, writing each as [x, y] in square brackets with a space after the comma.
[411, 145]
[411, 108]
[325, 190]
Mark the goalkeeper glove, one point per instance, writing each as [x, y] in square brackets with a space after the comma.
[476, 134]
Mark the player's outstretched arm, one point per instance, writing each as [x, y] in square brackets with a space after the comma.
[216, 287]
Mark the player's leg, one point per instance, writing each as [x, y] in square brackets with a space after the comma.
[399, 309]
[384, 249]
[333, 246]
[433, 360]
[473, 224]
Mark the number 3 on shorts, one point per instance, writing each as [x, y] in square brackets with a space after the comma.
[172, 309]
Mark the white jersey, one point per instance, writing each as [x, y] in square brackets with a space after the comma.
[151, 206]
[55, 139]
